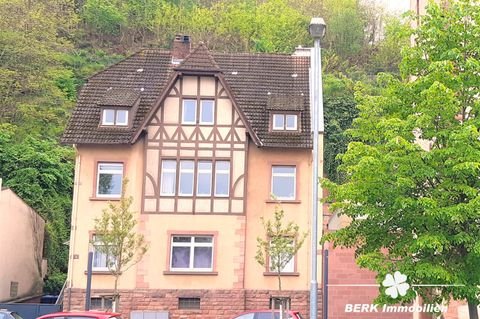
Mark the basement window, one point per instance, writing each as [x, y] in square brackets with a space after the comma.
[188, 303]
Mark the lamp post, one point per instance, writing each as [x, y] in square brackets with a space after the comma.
[316, 29]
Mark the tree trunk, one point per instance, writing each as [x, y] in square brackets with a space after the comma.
[279, 281]
[472, 310]
[115, 296]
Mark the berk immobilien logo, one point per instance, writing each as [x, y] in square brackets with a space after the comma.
[396, 285]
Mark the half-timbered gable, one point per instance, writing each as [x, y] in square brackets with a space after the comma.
[195, 151]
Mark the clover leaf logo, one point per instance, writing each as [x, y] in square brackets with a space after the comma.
[396, 284]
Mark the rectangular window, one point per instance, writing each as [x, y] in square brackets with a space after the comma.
[281, 259]
[100, 262]
[122, 117]
[278, 122]
[211, 177]
[285, 122]
[188, 303]
[202, 112]
[204, 179]
[109, 179]
[206, 112]
[191, 253]
[101, 303]
[189, 112]
[185, 187]
[283, 182]
[169, 177]
[291, 122]
[108, 117]
[115, 117]
[222, 178]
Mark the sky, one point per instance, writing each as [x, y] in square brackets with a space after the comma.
[396, 5]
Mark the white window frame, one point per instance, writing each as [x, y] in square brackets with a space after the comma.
[274, 126]
[222, 172]
[285, 126]
[169, 170]
[295, 127]
[202, 109]
[192, 244]
[288, 268]
[95, 252]
[115, 122]
[108, 171]
[204, 171]
[194, 110]
[191, 172]
[294, 175]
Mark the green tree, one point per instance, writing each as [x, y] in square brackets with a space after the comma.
[280, 243]
[41, 173]
[413, 209]
[34, 90]
[117, 238]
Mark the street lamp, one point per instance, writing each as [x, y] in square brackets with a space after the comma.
[317, 30]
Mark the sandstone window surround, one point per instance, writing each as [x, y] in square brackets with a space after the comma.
[100, 260]
[191, 253]
[109, 180]
[283, 183]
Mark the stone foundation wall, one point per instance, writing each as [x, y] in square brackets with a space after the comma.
[214, 304]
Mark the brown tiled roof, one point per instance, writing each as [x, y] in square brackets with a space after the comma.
[199, 60]
[282, 102]
[252, 78]
[120, 96]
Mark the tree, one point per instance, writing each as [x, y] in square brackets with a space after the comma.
[280, 244]
[41, 173]
[117, 239]
[413, 209]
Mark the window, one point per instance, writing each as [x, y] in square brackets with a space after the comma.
[185, 187]
[109, 179]
[205, 113]
[283, 182]
[101, 261]
[189, 112]
[169, 177]
[222, 178]
[211, 177]
[101, 303]
[115, 117]
[281, 259]
[191, 253]
[284, 122]
[275, 302]
[204, 179]
[188, 303]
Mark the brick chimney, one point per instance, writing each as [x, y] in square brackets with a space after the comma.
[180, 48]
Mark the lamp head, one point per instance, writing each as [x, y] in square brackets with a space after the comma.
[317, 28]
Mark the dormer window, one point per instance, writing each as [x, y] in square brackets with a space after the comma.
[284, 122]
[114, 117]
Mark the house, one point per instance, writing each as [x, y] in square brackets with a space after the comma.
[22, 265]
[205, 139]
